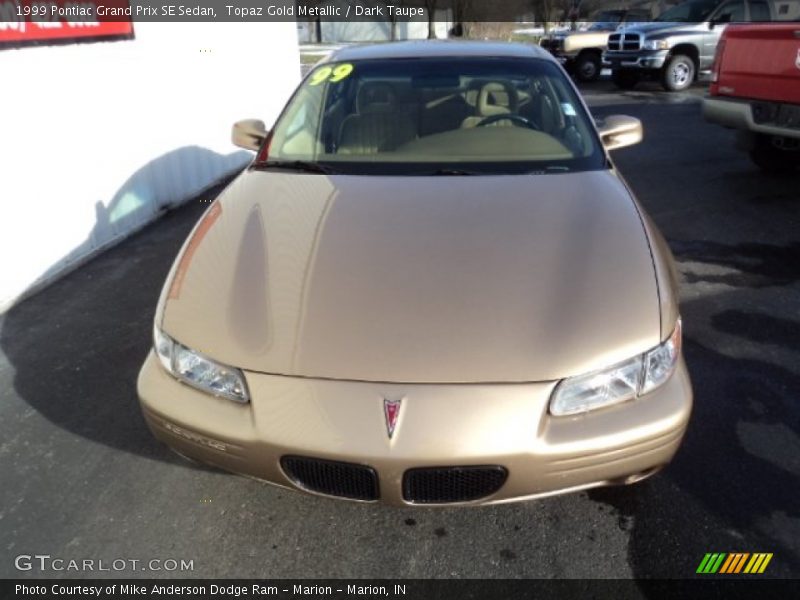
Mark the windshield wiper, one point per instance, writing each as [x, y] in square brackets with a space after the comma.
[305, 166]
[549, 169]
[540, 171]
[452, 172]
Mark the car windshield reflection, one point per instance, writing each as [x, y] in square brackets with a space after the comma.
[406, 116]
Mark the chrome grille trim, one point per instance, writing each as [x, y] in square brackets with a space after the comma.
[624, 42]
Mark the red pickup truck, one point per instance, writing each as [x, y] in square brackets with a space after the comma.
[756, 89]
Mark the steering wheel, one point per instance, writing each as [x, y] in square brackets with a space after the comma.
[513, 118]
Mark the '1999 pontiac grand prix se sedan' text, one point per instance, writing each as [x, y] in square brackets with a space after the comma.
[431, 286]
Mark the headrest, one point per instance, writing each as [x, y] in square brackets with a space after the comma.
[375, 97]
[497, 98]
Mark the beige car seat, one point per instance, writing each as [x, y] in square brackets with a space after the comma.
[494, 98]
[377, 125]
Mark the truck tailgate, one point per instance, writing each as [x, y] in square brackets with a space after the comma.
[762, 62]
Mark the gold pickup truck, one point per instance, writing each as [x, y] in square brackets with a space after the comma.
[580, 52]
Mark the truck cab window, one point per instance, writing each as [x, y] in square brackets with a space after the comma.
[730, 12]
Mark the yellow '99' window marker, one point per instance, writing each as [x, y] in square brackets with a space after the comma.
[333, 74]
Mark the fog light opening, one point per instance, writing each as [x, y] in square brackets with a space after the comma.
[185, 457]
[784, 143]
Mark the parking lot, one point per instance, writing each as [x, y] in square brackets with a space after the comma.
[83, 478]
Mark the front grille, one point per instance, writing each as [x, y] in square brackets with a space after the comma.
[552, 44]
[438, 485]
[624, 41]
[346, 480]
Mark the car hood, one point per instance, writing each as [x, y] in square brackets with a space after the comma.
[579, 34]
[651, 29]
[586, 39]
[417, 279]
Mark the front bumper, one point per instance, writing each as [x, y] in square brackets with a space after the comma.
[645, 60]
[564, 59]
[738, 114]
[438, 425]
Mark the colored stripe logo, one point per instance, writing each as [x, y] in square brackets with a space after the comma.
[734, 563]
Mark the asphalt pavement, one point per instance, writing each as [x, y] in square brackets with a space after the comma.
[83, 478]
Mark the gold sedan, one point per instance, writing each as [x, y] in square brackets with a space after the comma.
[431, 286]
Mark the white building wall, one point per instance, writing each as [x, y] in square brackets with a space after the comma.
[379, 29]
[97, 139]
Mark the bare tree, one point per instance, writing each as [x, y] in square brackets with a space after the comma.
[544, 11]
[393, 18]
[551, 11]
[465, 14]
[462, 14]
[314, 30]
[430, 5]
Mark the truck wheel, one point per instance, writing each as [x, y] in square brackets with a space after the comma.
[625, 79]
[588, 67]
[771, 159]
[678, 73]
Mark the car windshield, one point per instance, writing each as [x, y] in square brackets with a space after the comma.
[453, 115]
[606, 21]
[694, 11]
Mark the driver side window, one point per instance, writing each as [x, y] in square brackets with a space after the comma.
[759, 11]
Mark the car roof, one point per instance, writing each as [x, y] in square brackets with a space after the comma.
[438, 48]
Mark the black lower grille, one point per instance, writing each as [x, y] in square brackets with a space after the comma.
[764, 112]
[437, 485]
[773, 113]
[346, 480]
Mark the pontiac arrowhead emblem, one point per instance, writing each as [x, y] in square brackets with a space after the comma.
[391, 410]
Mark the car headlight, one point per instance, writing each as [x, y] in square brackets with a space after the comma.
[621, 382]
[199, 371]
[655, 45]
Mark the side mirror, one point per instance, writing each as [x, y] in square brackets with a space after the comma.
[618, 131]
[249, 134]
